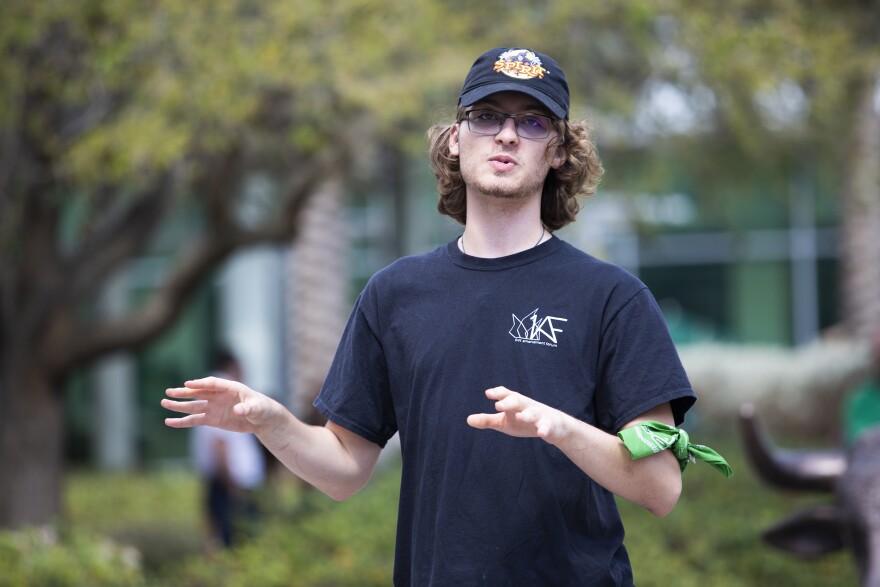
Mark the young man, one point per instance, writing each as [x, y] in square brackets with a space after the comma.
[506, 360]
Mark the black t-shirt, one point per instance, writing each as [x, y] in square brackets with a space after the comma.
[429, 335]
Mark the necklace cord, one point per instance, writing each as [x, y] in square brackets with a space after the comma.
[540, 238]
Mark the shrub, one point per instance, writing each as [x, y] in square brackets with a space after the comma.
[48, 557]
[314, 543]
[158, 513]
[713, 536]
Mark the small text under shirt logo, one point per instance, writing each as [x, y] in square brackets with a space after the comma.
[534, 330]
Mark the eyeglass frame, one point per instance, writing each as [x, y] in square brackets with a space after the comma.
[552, 126]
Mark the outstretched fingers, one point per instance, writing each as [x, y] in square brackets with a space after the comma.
[190, 407]
[212, 401]
[209, 382]
[211, 385]
[519, 415]
[486, 421]
[199, 389]
[508, 406]
[491, 421]
[185, 421]
[194, 408]
[508, 401]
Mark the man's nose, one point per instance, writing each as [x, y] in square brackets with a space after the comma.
[507, 132]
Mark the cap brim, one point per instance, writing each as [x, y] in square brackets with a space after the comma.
[475, 95]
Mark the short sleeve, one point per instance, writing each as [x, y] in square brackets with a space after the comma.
[356, 393]
[639, 367]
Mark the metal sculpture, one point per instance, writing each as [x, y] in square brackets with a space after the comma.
[852, 475]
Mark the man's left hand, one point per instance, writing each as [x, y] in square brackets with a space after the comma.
[521, 416]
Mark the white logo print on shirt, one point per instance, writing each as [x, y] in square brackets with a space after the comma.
[534, 330]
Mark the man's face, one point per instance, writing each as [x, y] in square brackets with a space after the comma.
[504, 165]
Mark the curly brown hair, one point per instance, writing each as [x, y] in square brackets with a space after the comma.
[578, 175]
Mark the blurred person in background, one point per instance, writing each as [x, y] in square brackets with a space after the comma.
[506, 360]
[231, 466]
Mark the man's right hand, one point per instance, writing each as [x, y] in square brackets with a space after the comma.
[332, 458]
[221, 403]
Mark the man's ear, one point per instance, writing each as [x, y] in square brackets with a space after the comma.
[559, 157]
[453, 140]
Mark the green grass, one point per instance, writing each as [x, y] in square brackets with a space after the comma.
[711, 538]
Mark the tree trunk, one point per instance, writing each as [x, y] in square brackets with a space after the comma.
[317, 300]
[860, 219]
[31, 433]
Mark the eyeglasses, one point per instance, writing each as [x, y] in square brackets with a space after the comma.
[490, 122]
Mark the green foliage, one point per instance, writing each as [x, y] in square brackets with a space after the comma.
[158, 514]
[711, 538]
[121, 91]
[110, 502]
[303, 538]
[751, 52]
[71, 558]
[318, 542]
[118, 92]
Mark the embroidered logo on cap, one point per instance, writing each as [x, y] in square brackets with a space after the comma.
[521, 64]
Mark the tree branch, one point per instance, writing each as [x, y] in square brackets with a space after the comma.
[219, 186]
[75, 344]
[142, 324]
[123, 234]
[98, 109]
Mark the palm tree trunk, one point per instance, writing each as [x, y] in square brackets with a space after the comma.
[860, 221]
[317, 300]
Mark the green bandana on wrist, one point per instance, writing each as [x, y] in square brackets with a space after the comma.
[651, 437]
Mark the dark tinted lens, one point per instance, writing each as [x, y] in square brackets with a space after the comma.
[485, 121]
[532, 126]
[490, 122]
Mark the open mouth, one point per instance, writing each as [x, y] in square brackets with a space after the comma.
[502, 162]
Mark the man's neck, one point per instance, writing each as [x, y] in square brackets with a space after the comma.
[501, 227]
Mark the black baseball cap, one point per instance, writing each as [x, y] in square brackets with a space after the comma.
[517, 70]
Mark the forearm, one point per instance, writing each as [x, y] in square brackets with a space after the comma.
[315, 454]
[654, 482]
